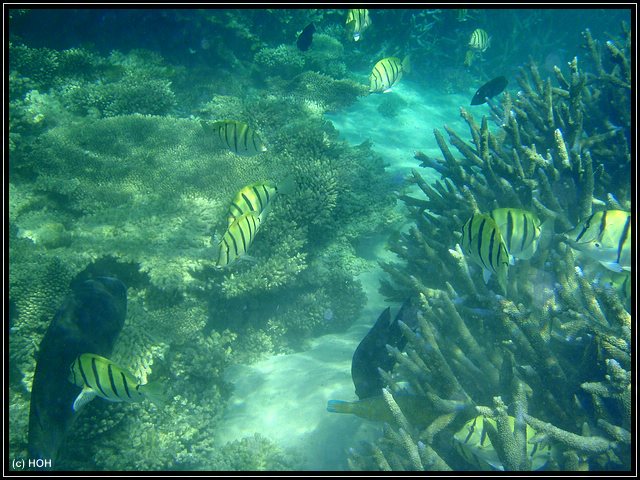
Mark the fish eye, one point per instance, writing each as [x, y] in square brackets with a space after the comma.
[597, 245]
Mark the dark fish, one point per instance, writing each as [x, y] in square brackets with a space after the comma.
[489, 90]
[416, 408]
[89, 320]
[371, 353]
[306, 37]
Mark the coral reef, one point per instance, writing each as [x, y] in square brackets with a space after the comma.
[554, 352]
[107, 178]
[391, 106]
[284, 61]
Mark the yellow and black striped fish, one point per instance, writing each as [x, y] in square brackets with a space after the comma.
[483, 242]
[479, 40]
[358, 21]
[386, 73]
[473, 443]
[99, 376]
[237, 239]
[252, 198]
[605, 236]
[520, 231]
[618, 281]
[238, 137]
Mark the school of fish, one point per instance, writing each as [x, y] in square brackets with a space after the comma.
[493, 241]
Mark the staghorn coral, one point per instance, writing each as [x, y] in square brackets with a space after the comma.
[554, 351]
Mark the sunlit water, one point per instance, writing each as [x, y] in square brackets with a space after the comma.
[284, 397]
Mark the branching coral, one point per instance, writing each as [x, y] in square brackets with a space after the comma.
[555, 351]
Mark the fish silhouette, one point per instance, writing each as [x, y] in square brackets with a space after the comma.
[89, 320]
[489, 90]
[372, 354]
[306, 37]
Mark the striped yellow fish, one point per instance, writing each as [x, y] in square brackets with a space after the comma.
[99, 376]
[238, 137]
[238, 238]
[462, 14]
[520, 231]
[252, 198]
[618, 281]
[358, 21]
[479, 40]
[473, 443]
[605, 236]
[483, 242]
[386, 73]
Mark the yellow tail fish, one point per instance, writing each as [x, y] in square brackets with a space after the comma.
[375, 408]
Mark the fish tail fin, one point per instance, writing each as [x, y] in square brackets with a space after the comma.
[546, 233]
[154, 393]
[406, 64]
[339, 406]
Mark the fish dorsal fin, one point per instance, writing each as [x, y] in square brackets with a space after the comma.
[84, 397]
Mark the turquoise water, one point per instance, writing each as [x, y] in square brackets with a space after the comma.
[117, 169]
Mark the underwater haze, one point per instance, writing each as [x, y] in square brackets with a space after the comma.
[320, 239]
